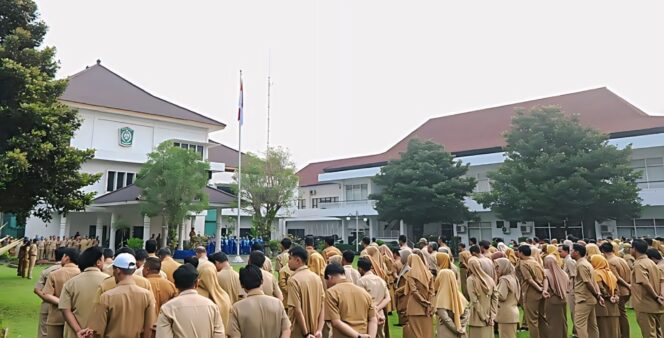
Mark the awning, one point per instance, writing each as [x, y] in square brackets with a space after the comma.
[131, 195]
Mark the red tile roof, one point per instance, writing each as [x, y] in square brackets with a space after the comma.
[481, 131]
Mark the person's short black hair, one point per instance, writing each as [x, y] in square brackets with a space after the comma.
[462, 245]
[257, 258]
[125, 249]
[153, 263]
[193, 260]
[59, 252]
[108, 253]
[151, 246]
[286, 243]
[580, 249]
[309, 241]
[654, 254]
[500, 240]
[89, 257]
[395, 251]
[334, 269]
[257, 247]
[648, 240]
[329, 240]
[484, 244]
[565, 248]
[364, 263]
[536, 240]
[366, 240]
[525, 250]
[141, 254]
[403, 238]
[593, 241]
[474, 249]
[251, 277]
[473, 240]
[348, 256]
[606, 247]
[185, 276]
[163, 252]
[73, 255]
[299, 252]
[218, 257]
[641, 246]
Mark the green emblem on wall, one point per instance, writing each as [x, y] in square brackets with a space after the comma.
[126, 136]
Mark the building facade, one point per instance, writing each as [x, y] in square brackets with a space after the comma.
[334, 195]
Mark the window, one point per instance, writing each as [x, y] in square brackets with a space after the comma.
[357, 192]
[480, 230]
[323, 200]
[301, 203]
[193, 147]
[483, 183]
[118, 179]
[651, 170]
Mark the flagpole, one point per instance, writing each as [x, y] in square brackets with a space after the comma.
[238, 259]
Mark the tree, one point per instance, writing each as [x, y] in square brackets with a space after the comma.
[39, 170]
[173, 182]
[268, 184]
[557, 170]
[425, 185]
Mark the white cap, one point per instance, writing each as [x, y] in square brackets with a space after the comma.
[125, 261]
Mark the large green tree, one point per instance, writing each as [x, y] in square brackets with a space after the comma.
[425, 185]
[556, 170]
[39, 170]
[173, 182]
[268, 184]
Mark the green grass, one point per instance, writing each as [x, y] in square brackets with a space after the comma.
[19, 307]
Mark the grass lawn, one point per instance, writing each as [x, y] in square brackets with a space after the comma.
[19, 307]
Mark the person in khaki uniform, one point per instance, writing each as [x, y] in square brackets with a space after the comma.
[348, 307]
[126, 311]
[52, 245]
[305, 297]
[586, 295]
[481, 289]
[316, 262]
[38, 290]
[608, 316]
[646, 289]
[40, 248]
[209, 287]
[79, 293]
[532, 284]
[110, 282]
[347, 262]
[282, 258]
[31, 259]
[258, 315]
[330, 250]
[569, 267]
[284, 274]
[22, 255]
[380, 295]
[189, 314]
[399, 292]
[622, 271]
[53, 288]
[555, 285]
[162, 289]
[451, 306]
[270, 285]
[508, 292]
[168, 264]
[229, 279]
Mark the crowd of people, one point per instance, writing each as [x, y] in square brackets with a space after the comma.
[95, 292]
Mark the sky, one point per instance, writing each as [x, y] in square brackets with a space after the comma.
[352, 78]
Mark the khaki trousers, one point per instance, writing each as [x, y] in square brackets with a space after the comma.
[649, 324]
[30, 267]
[507, 330]
[624, 322]
[572, 306]
[586, 321]
[43, 314]
[54, 331]
[535, 315]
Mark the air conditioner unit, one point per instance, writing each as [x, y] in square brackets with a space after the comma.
[312, 192]
[460, 229]
[506, 230]
[525, 229]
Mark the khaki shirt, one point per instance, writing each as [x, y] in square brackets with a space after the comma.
[316, 262]
[270, 285]
[282, 260]
[109, 284]
[284, 274]
[645, 273]
[139, 272]
[229, 280]
[32, 251]
[570, 269]
[162, 290]
[54, 284]
[123, 311]
[79, 295]
[352, 274]
[168, 266]
[584, 274]
[305, 291]
[376, 287]
[267, 265]
[527, 268]
[190, 315]
[620, 268]
[330, 251]
[351, 304]
[258, 315]
[42, 282]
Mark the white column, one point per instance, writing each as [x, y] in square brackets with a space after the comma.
[217, 245]
[343, 231]
[111, 237]
[146, 228]
[63, 225]
[99, 226]
[181, 235]
[371, 236]
[402, 228]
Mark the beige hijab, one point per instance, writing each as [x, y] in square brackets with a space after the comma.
[481, 279]
[558, 279]
[418, 271]
[376, 261]
[506, 273]
[449, 297]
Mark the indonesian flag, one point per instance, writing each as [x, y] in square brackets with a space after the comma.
[240, 110]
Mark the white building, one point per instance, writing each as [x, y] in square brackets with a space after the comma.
[332, 193]
[123, 123]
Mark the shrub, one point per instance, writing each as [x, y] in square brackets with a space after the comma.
[135, 243]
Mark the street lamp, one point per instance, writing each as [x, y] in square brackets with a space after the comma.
[357, 228]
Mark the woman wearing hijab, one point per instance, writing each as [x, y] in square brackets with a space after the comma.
[402, 298]
[608, 316]
[511, 256]
[390, 272]
[464, 256]
[502, 247]
[419, 291]
[509, 292]
[376, 262]
[451, 306]
[496, 255]
[591, 250]
[483, 300]
[552, 250]
[444, 261]
[556, 283]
